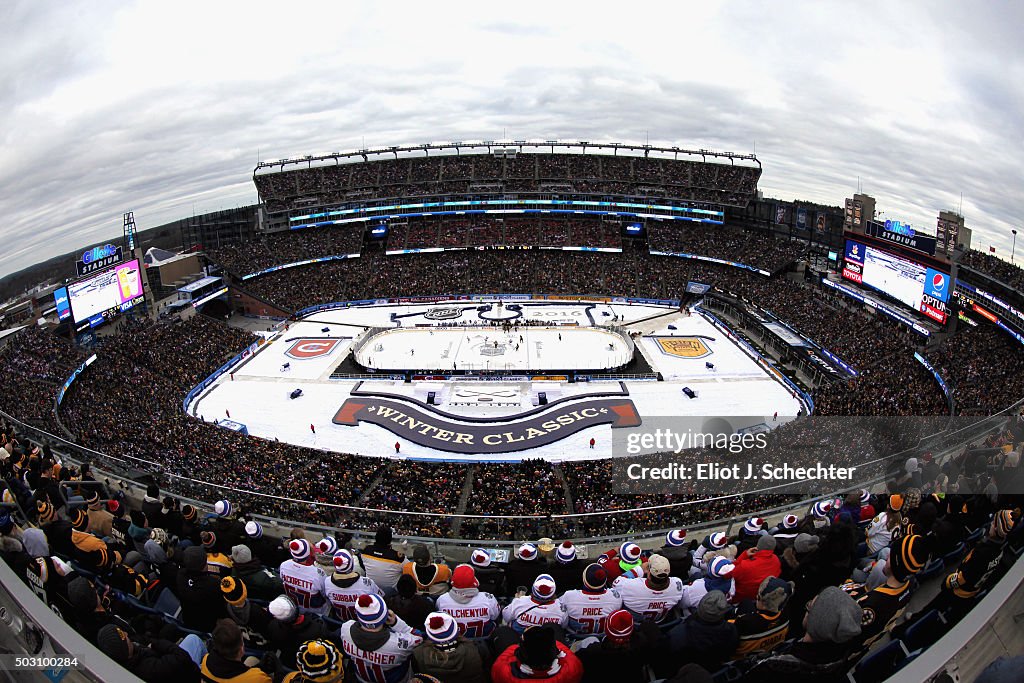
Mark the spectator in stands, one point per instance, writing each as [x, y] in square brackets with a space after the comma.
[224, 660]
[490, 575]
[383, 564]
[431, 578]
[159, 661]
[623, 653]
[523, 569]
[752, 567]
[318, 661]
[260, 581]
[446, 654]
[253, 620]
[539, 657]
[707, 637]
[199, 592]
[766, 626]
[410, 605]
[290, 628]
[375, 630]
[475, 612]
[567, 569]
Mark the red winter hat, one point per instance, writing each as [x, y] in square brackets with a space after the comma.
[464, 577]
[619, 626]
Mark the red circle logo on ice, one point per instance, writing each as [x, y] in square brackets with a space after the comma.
[938, 281]
[307, 349]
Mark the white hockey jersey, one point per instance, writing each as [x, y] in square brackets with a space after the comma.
[390, 663]
[646, 602]
[305, 585]
[588, 612]
[476, 616]
[524, 612]
[343, 600]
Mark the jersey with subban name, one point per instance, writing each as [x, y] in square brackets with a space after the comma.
[343, 600]
[304, 583]
[524, 612]
[648, 603]
[589, 611]
[387, 664]
[476, 617]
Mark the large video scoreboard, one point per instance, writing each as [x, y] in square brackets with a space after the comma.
[101, 297]
[922, 288]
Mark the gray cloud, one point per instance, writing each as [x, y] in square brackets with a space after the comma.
[918, 112]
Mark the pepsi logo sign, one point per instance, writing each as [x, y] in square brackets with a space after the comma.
[938, 281]
[307, 349]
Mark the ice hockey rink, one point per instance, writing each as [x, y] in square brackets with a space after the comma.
[678, 346]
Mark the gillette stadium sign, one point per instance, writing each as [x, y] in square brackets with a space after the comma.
[902, 234]
[98, 258]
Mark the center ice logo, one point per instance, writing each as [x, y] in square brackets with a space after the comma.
[683, 347]
[443, 313]
[307, 349]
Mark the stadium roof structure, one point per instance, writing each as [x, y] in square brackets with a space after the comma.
[497, 147]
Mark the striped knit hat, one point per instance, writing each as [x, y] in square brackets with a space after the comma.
[908, 556]
[299, 549]
[320, 661]
[753, 526]
[371, 610]
[189, 512]
[595, 577]
[442, 629]
[720, 567]
[865, 497]
[480, 558]
[253, 529]
[343, 562]
[326, 546]
[543, 589]
[717, 540]
[619, 626]
[629, 552]
[675, 538]
[222, 508]
[790, 522]
[565, 553]
[1002, 523]
[233, 590]
[46, 511]
[527, 551]
[821, 508]
[79, 520]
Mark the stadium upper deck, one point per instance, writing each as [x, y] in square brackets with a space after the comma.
[502, 168]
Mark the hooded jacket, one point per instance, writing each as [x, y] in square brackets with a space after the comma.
[162, 662]
[507, 668]
[461, 664]
[748, 573]
[259, 581]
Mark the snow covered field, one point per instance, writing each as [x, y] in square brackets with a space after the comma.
[257, 394]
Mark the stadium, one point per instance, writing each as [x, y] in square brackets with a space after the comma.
[444, 346]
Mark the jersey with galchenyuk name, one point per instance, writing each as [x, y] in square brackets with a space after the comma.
[476, 617]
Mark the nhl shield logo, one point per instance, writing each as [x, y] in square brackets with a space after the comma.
[307, 349]
[440, 313]
[683, 347]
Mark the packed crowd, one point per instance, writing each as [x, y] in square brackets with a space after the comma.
[480, 173]
[33, 365]
[174, 595]
[1004, 271]
[723, 243]
[983, 367]
[288, 247]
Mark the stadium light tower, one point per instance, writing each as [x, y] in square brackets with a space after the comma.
[1013, 249]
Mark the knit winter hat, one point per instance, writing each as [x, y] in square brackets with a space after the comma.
[790, 522]
[720, 567]
[442, 629]
[527, 551]
[865, 497]
[908, 556]
[79, 520]
[595, 577]
[222, 508]
[189, 512]
[896, 502]
[766, 542]
[537, 649]
[713, 607]
[283, 609]
[718, 540]
[253, 529]
[565, 553]
[543, 589]
[241, 554]
[774, 593]
[233, 590]
[1002, 523]
[619, 626]
[834, 617]
[320, 661]
[806, 543]
[92, 499]
[464, 577]
[113, 642]
[371, 610]
[326, 546]
[209, 539]
[675, 538]
[193, 559]
[821, 508]
[343, 562]
[753, 526]
[480, 558]
[82, 594]
[46, 512]
[629, 553]
[299, 549]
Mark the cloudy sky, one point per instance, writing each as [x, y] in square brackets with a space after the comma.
[164, 108]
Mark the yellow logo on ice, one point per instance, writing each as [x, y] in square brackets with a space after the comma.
[683, 347]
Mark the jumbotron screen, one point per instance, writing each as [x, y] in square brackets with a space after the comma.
[923, 289]
[100, 297]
